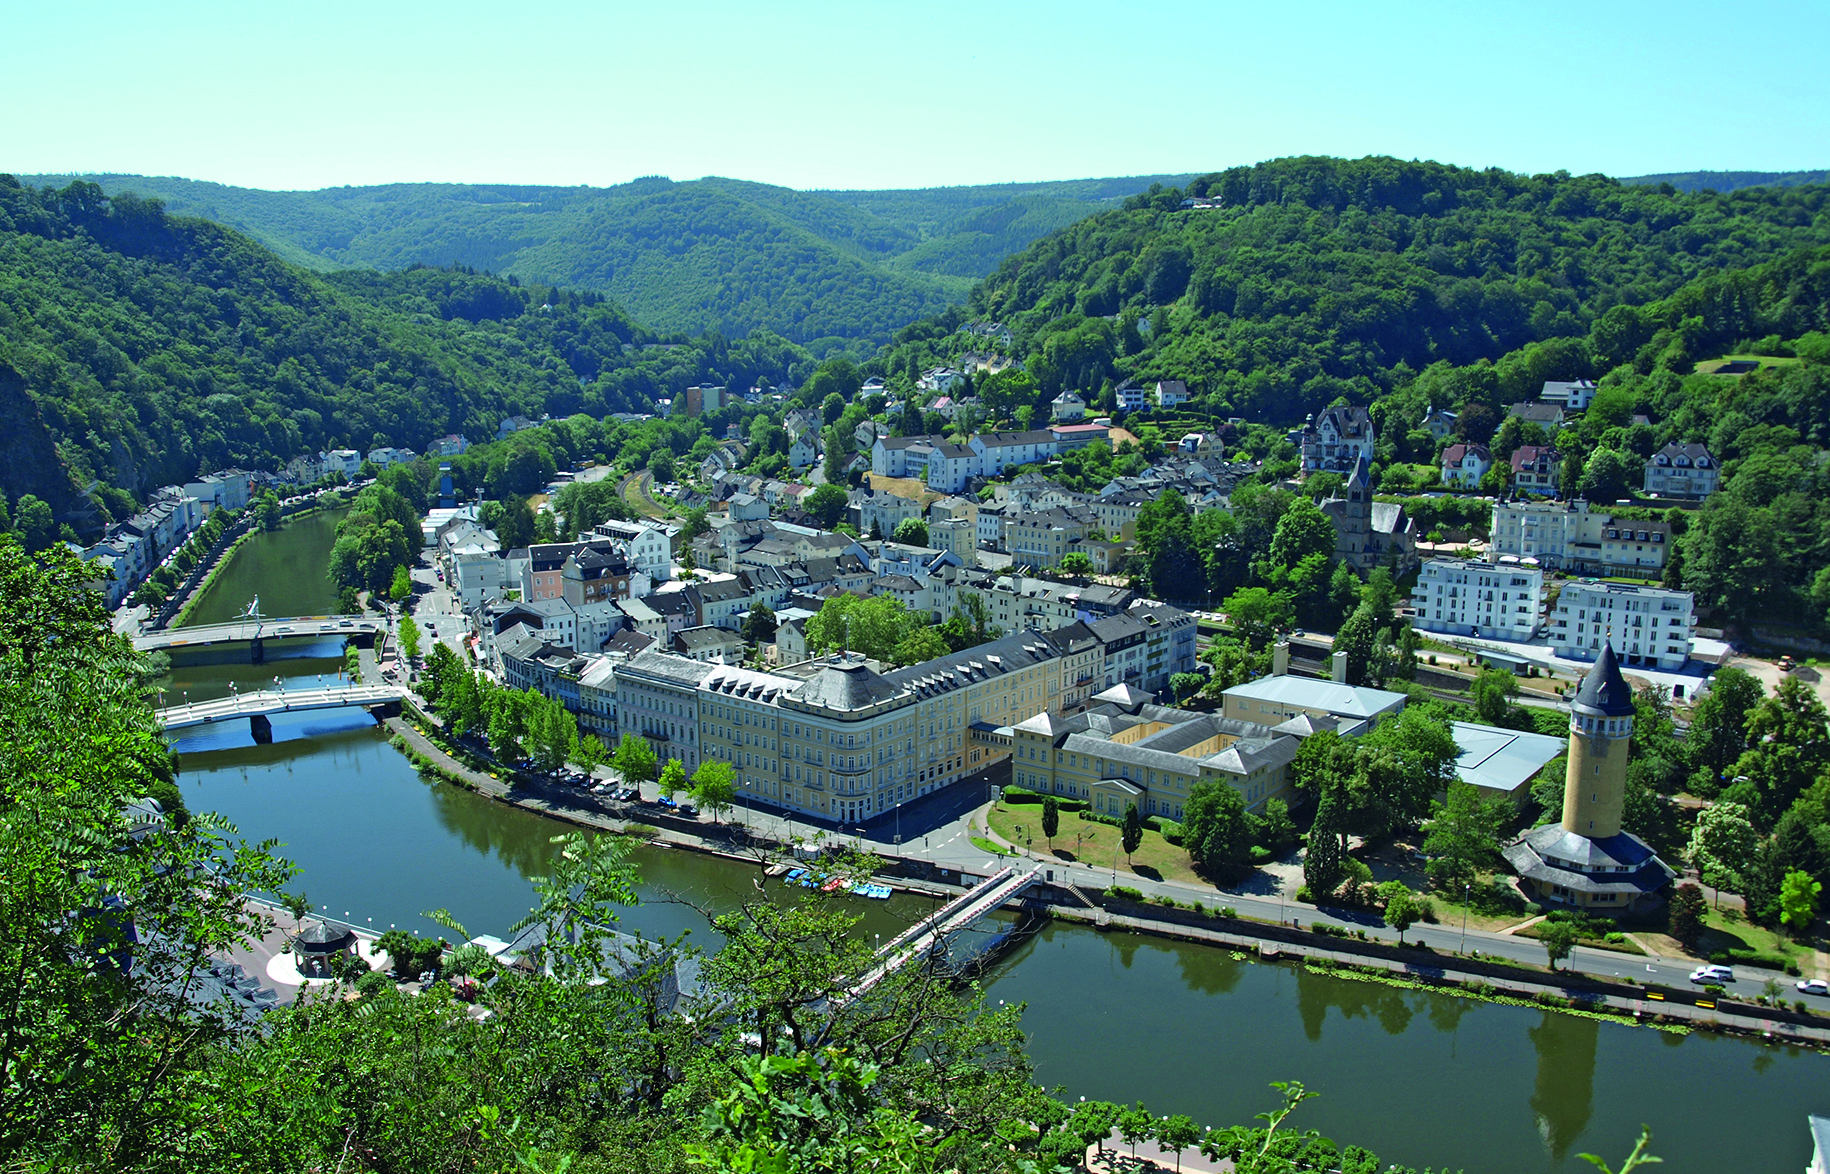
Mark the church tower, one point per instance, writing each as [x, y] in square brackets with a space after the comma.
[1600, 730]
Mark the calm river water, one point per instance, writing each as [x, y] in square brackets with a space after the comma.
[1420, 1078]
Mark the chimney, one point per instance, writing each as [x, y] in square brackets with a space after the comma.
[1280, 658]
[1339, 675]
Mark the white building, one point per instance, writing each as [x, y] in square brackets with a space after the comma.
[346, 461]
[1171, 393]
[1682, 470]
[1571, 537]
[1337, 438]
[648, 547]
[1573, 395]
[1463, 465]
[1649, 626]
[1495, 600]
[1069, 408]
[1131, 398]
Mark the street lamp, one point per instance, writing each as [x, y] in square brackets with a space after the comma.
[1467, 887]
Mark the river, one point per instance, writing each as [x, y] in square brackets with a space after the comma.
[1420, 1078]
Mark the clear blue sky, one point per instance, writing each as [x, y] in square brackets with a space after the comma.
[908, 95]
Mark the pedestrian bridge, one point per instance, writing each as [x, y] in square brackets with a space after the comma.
[271, 701]
[919, 939]
[255, 632]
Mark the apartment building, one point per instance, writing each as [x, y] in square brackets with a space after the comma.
[1463, 598]
[1649, 626]
[1041, 538]
[657, 696]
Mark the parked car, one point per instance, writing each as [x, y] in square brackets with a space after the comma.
[1712, 974]
[1814, 986]
[688, 809]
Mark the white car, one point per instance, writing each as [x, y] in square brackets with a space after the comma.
[1814, 986]
[1713, 974]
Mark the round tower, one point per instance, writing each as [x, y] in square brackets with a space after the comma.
[1600, 730]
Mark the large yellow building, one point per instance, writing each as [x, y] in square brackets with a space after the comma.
[833, 737]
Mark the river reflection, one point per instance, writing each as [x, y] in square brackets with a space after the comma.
[1563, 1099]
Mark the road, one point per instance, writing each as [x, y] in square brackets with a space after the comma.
[435, 607]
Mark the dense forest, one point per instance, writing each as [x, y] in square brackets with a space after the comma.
[138, 348]
[1729, 181]
[1314, 279]
[820, 268]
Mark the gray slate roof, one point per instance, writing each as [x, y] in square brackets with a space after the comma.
[1604, 692]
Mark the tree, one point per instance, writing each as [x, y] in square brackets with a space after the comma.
[673, 778]
[1718, 723]
[1216, 831]
[1076, 562]
[1788, 749]
[1402, 765]
[267, 511]
[1132, 834]
[759, 625]
[634, 760]
[826, 505]
[1302, 532]
[1325, 859]
[589, 754]
[1686, 915]
[1176, 1133]
[1463, 837]
[1355, 638]
[874, 626]
[1558, 938]
[409, 638]
[1051, 819]
[1134, 1125]
[513, 522]
[912, 532]
[402, 585]
[1494, 692]
[552, 731]
[1091, 1123]
[1607, 476]
[36, 524]
[1798, 894]
[1401, 910]
[714, 786]
[1722, 846]
[1257, 615]
[1185, 685]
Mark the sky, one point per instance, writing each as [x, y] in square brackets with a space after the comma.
[872, 95]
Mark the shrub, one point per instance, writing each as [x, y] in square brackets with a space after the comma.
[1125, 891]
[371, 983]
[1304, 895]
[1756, 958]
[1800, 1006]
[1228, 911]
[1261, 855]
[1165, 899]
[1426, 910]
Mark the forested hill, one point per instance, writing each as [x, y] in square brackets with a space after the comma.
[710, 254]
[1730, 181]
[1313, 278]
[138, 348]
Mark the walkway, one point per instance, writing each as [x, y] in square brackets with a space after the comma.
[269, 701]
[1004, 885]
[244, 631]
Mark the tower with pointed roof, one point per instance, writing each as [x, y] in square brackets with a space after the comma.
[1588, 861]
[1600, 730]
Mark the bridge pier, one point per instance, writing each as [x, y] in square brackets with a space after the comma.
[262, 728]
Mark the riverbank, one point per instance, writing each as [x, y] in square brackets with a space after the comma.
[1469, 977]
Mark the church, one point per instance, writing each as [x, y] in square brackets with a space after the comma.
[1587, 861]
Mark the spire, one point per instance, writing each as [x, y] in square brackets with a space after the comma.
[1604, 692]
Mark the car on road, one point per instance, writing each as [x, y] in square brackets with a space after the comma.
[688, 809]
[1712, 974]
[1814, 986]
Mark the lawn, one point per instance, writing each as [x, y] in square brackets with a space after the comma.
[1725, 929]
[1095, 844]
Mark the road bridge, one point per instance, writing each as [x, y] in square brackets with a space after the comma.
[256, 632]
[258, 707]
[919, 939]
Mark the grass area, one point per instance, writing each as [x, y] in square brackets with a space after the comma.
[1595, 941]
[1763, 360]
[1092, 843]
[984, 845]
[1726, 929]
[635, 492]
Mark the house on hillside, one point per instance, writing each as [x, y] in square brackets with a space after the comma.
[1463, 465]
[1682, 470]
[1535, 469]
[1336, 439]
[1068, 408]
[1171, 393]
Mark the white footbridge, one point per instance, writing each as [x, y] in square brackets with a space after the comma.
[271, 701]
[920, 939]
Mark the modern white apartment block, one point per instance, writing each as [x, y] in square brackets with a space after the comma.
[1495, 600]
[1649, 626]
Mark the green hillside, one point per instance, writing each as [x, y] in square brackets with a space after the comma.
[1730, 181]
[1319, 278]
[137, 348]
[709, 254]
